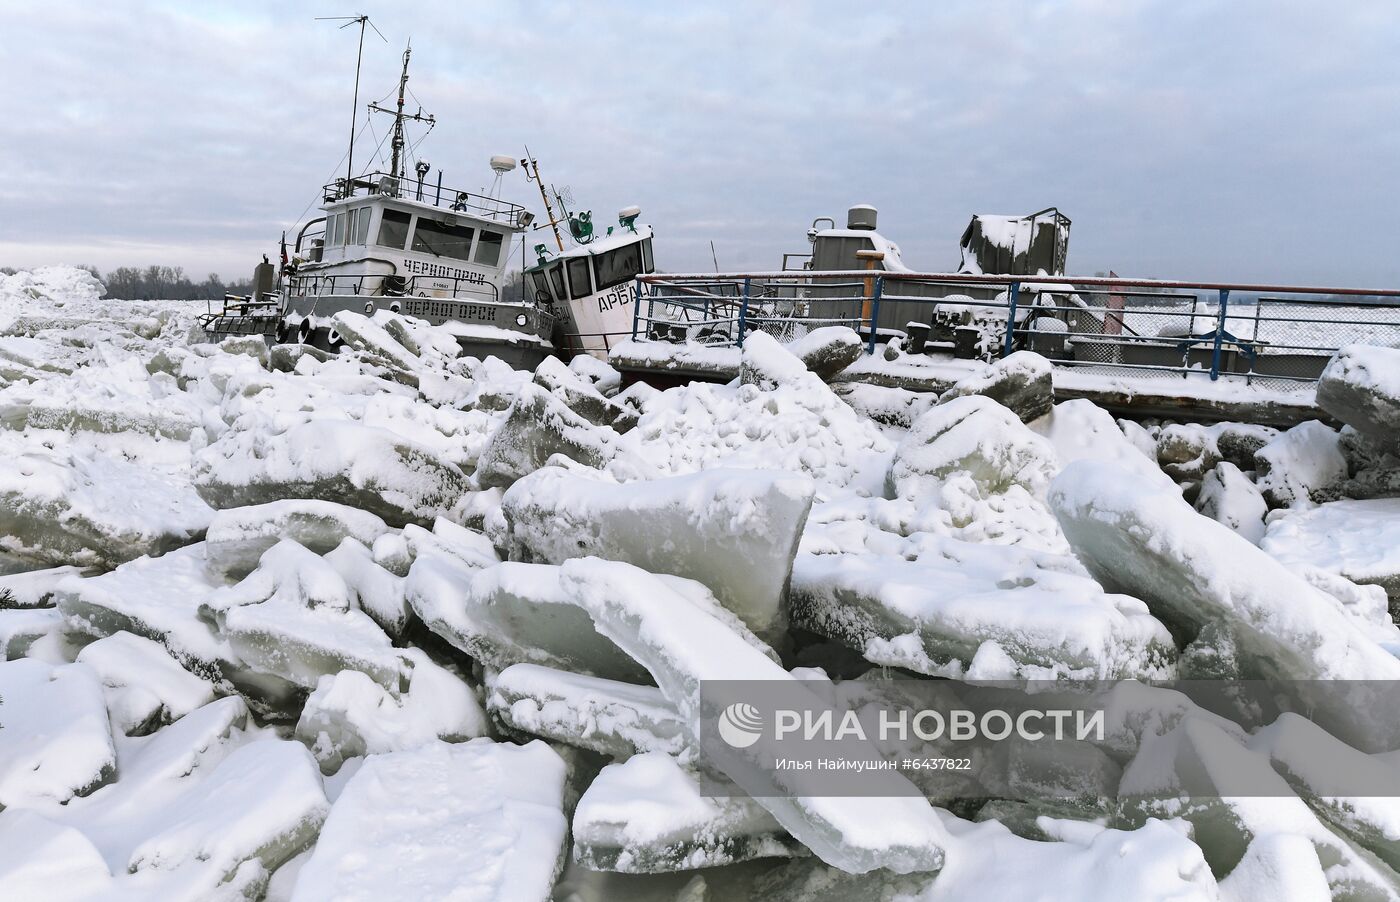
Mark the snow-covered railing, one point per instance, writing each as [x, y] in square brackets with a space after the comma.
[1152, 327]
[437, 194]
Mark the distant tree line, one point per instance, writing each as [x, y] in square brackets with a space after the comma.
[160, 283]
[167, 283]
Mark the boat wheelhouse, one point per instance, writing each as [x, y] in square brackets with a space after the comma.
[425, 251]
[590, 286]
[390, 242]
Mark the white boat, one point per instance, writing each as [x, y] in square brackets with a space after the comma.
[410, 245]
[590, 286]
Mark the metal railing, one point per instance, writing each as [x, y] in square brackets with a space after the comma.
[241, 315]
[381, 285]
[386, 185]
[1272, 334]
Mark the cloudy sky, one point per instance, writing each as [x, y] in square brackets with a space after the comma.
[1185, 139]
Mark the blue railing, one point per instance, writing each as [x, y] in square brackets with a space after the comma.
[1147, 328]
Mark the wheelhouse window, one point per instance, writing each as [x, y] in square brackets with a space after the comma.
[362, 226]
[488, 248]
[393, 229]
[335, 232]
[556, 278]
[539, 286]
[352, 217]
[579, 283]
[443, 240]
[646, 256]
[619, 265]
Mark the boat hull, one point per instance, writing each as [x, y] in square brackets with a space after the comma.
[516, 333]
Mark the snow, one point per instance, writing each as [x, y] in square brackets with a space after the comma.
[537, 426]
[1361, 387]
[1079, 430]
[767, 364]
[973, 435]
[737, 530]
[606, 716]
[1299, 464]
[34, 588]
[1359, 540]
[292, 618]
[478, 822]
[392, 477]
[959, 602]
[1231, 498]
[378, 591]
[54, 740]
[144, 685]
[647, 815]
[1277, 866]
[1192, 571]
[348, 715]
[43, 860]
[74, 506]
[262, 629]
[22, 628]
[237, 537]
[681, 645]
[152, 597]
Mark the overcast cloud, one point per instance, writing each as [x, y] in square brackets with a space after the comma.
[1185, 139]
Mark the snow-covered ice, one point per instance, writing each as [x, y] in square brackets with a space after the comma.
[54, 740]
[238, 536]
[648, 814]
[1359, 540]
[607, 716]
[681, 645]
[394, 622]
[349, 715]
[371, 467]
[1361, 387]
[145, 687]
[479, 821]
[735, 530]
[1299, 465]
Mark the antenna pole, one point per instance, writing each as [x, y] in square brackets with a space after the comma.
[362, 21]
[354, 109]
[544, 195]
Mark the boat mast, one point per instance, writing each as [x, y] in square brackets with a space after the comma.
[397, 144]
[544, 195]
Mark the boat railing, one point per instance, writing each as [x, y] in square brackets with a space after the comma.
[237, 314]
[380, 285]
[383, 184]
[1277, 335]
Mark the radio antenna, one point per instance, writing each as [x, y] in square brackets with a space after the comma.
[362, 21]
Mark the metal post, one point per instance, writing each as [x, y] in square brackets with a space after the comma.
[1254, 343]
[744, 311]
[875, 311]
[636, 305]
[1219, 334]
[1012, 297]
